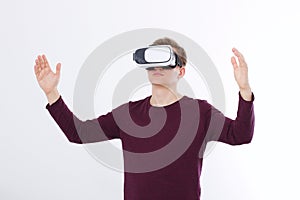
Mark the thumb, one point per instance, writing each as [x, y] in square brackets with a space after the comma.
[58, 67]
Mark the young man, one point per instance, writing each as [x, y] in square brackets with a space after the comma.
[169, 161]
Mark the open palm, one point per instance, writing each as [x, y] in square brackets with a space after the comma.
[47, 79]
[240, 70]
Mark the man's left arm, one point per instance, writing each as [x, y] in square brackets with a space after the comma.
[240, 130]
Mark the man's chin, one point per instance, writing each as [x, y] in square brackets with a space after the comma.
[159, 84]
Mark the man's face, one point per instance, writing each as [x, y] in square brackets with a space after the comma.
[167, 77]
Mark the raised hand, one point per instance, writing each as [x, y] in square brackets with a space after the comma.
[241, 74]
[47, 79]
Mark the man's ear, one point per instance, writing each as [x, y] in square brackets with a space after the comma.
[181, 72]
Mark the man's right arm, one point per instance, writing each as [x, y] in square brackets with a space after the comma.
[77, 131]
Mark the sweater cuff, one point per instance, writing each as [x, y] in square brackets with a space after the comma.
[245, 108]
[243, 100]
[55, 105]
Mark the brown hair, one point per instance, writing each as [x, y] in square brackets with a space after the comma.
[178, 49]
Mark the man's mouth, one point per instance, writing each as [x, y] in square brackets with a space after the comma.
[157, 74]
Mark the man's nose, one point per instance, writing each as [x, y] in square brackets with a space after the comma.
[158, 68]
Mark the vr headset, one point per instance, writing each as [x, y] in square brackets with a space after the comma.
[156, 56]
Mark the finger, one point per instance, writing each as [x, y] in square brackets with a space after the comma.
[239, 55]
[38, 65]
[37, 62]
[45, 61]
[234, 63]
[39, 74]
[41, 61]
[58, 67]
[36, 70]
[236, 52]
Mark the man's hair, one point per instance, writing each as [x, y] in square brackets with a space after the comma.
[178, 49]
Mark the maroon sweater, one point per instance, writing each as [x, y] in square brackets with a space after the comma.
[162, 146]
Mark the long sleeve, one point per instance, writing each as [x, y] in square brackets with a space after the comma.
[78, 131]
[226, 130]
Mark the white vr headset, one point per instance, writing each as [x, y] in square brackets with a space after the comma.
[156, 56]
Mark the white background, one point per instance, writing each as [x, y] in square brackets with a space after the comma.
[37, 161]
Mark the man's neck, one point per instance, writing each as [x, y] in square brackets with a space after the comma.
[163, 96]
